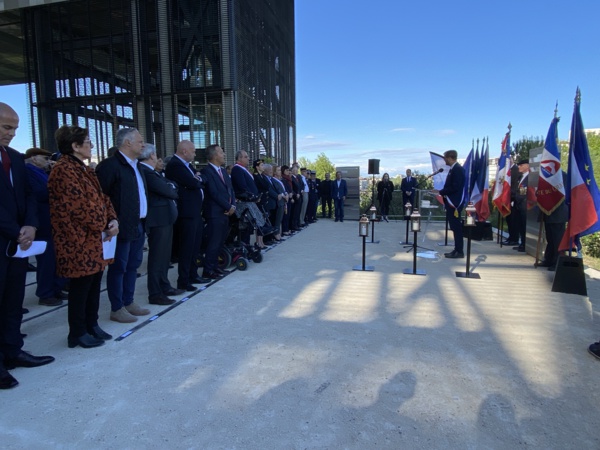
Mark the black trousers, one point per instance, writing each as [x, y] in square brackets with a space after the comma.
[456, 226]
[217, 229]
[326, 201]
[12, 291]
[190, 231]
[84, 301]
[160, 241]
[554, 234]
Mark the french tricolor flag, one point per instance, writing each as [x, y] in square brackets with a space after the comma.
[582, 195]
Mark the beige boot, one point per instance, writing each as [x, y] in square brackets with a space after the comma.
[123, 316]
[137, 310]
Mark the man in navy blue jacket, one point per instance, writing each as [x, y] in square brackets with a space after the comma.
[339, 191]
[453, 192]
[18, 224]
[219, 205]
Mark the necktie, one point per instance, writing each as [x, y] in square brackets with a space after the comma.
[221, 175]
[5, 161]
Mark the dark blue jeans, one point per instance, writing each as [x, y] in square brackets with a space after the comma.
[339, 208]
[122, 274]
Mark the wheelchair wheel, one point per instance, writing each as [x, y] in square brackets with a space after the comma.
[257, 258]
[241, 263]
[224, 258]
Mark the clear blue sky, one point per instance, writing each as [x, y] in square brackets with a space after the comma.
[394, 79]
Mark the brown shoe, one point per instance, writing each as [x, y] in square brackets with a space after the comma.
[160, 300]
[122, 316]
[136, 309]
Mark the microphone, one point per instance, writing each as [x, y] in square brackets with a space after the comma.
[435, 173]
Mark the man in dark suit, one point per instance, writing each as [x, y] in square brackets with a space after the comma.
[452, 192]
[511, 221]
[243, 185]
[162, 213]
[18, 223]
[519, 208]
[219, 205]
[339, 191]
[190, 224]
[49, 285]
[325, 194]
[408, 187]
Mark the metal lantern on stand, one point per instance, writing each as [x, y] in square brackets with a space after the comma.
[363, 232]
[415, 226]
[373, 211]
[407, 213]
[415, 221]
[469, 223]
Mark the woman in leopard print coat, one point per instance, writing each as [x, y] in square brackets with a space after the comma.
[79, 213]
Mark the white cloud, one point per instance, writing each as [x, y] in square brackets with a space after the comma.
[446, 132]
[402, 130]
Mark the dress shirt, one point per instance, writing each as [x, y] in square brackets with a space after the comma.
[140, 182]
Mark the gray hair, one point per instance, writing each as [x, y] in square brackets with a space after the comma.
[124, 134]
[267, 167]
[147, 152]
[211, 151]
[238, 154]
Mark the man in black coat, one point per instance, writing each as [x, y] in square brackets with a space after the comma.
[18, 223]
[554, 227]
[122, 180]
[519, 208]
[162, 213]
[219, 205]
[190, 224]
[325, 194]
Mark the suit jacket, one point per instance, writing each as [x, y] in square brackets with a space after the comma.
[243, 182]
[191, 196]
[272, 193]
[340, 192]
[17, 203]
[279, 187]
[454, 187]
[119, 182]
[406, 186]
[385, 191]
[220, 196]
[162, 196]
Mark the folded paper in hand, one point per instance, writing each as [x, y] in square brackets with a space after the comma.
[13, 250]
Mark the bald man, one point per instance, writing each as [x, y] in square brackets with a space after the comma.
[190, 224]
[18, 224]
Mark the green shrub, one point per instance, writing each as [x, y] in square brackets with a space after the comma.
[591, 245]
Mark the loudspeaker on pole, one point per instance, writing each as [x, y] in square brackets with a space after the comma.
[373, 167]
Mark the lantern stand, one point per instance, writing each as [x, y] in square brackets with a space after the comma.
[373, 211]
[415, 225]
[363, 231]
[469, 225]
[445, 244]
[407, 213]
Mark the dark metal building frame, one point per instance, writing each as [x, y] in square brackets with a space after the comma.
[211, 71]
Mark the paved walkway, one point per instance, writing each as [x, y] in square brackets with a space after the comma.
[302, 352]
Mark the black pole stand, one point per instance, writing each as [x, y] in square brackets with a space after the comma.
[363, 267]
[406, 243]
[414, 269]
[445, 244]
[468, 273]
[373, 241]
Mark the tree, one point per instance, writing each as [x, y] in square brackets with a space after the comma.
[522, 146]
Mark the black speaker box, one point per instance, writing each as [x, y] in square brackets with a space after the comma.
[482, 231]
[569, 277]
[373, 166]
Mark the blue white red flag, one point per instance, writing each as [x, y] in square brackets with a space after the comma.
[501, 195]
[551, 189]
[468, 166]
[439, 179]
[581, 194]
[480, 194]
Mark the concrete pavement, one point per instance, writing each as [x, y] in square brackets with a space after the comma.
[302, 352]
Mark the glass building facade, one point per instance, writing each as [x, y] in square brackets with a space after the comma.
[211, 71]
